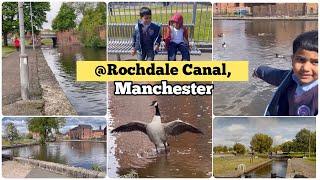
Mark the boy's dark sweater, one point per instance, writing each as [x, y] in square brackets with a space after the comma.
[284, 101]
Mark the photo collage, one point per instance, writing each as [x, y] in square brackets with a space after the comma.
[170, 110]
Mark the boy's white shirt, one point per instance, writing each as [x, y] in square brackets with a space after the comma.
[177, 35]
[303, 88]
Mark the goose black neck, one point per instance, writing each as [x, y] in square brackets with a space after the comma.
[157, 111]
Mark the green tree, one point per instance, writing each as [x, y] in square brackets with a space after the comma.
[93, 19]
[66, 18]
[10, 21]
[301, 141]
[261, 143]
[276, 148]
[239, 148]
[81, 7]
[44, 126]
[219, 149]
[12, 132]
[287, 146]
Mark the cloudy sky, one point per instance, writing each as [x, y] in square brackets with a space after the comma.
[227, 131]
[54, 9]
[71, 122]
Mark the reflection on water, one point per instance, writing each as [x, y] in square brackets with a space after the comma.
[78, 154]
[189, 153]
[276, 167]
[88, 98]
[256, 41]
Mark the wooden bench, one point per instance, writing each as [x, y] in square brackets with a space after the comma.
[120, 39]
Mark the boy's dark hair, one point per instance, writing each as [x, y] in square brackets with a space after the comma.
[145, 11]
[307, 41]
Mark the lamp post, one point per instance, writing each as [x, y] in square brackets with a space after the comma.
[24, 69]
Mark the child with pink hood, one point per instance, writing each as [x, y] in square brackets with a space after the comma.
[176, 38]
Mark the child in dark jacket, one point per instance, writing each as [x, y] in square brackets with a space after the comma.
[146, 37]
[176, 38]
[297, 93]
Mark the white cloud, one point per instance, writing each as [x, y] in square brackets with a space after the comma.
[278, 139]
[236, 127]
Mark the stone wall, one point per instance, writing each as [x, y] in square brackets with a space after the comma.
[70, 171]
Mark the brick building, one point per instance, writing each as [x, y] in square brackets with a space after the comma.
[81, 132]
[228, 8]
[85, 132]
[266, 9]
[283, 9]
[98, 133]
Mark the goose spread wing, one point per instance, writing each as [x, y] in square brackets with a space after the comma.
[178, 127]
[132, 126]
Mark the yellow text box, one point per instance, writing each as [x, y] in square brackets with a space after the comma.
[162, 70]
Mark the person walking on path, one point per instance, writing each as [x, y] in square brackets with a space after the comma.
[17, 43]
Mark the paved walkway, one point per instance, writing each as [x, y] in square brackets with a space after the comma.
[13, 169]
[300, 166]
[46, 95]
[11, 95]
[41, 173]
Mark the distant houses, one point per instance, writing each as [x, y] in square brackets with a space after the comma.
[86, 132]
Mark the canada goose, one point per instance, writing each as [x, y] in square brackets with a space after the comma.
[157, 131]
[224, 44]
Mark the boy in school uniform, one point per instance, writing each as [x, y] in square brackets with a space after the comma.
[297, 93]
[146, 37]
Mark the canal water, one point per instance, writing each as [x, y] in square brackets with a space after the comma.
[276, 167]
[78, 154]
[189, 154]
[256, 41]
[88, 98]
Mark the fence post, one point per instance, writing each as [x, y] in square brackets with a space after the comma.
[194, 15]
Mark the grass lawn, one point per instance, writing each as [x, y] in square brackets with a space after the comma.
[5, 142]
[226, 167]
[7, 50]
[47, 42]
[202, 29]
[310, 161]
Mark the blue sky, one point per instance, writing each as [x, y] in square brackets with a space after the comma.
[228, 130]
[71, 122]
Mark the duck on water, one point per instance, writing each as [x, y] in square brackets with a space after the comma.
[158, 131]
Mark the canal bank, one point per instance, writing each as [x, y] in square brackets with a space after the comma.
[62, 169]
[46, 96]
[87, 155]
[19, 145]
[14, 169]
[229, 167]
[301, 167]
[251, 168]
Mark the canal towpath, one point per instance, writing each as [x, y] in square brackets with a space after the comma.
[301, 166]
[14, 169]
[46, 96]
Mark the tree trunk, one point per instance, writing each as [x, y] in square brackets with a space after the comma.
[5, 39]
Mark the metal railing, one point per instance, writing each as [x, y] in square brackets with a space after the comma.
[198, 14]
